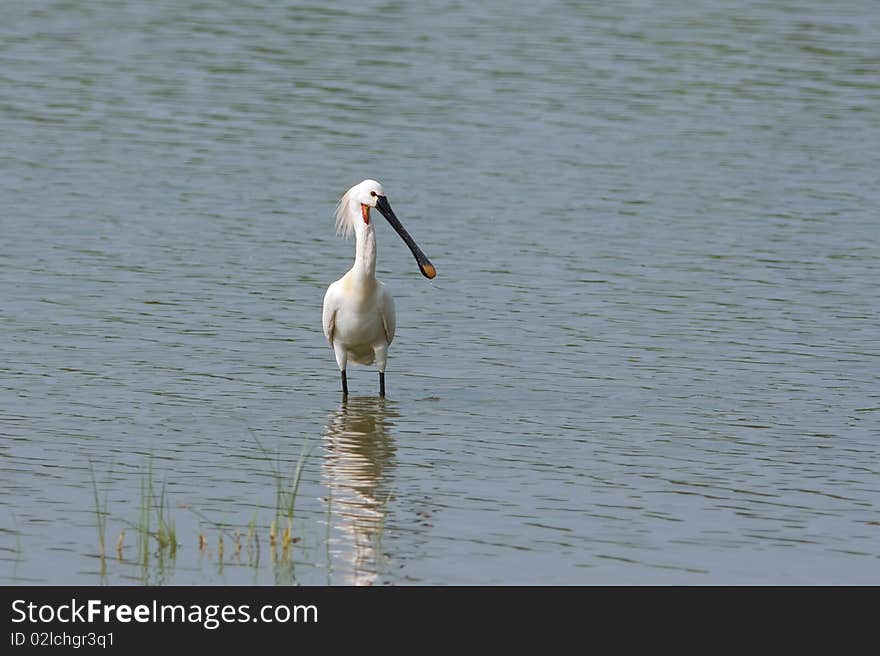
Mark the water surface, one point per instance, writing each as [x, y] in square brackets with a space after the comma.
[650, 354]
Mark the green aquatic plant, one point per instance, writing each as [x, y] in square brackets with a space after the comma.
[166, 532]
[253, 542]
[17, 549]
[154, 530]
[145, 515]
[100, 514]
[286, 498]
[286, 490]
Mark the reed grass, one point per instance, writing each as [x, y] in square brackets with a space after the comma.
[145, 515]
[156, 537]
[252, 542]
[17, 550]
[166, 531]
[285, 499]
[100, 513]
[286, 491]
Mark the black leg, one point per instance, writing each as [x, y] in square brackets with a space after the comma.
[344, 384]
[381, 383]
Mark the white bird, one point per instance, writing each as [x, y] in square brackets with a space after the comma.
[358, 317]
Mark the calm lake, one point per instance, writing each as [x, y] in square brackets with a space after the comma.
[651, 354]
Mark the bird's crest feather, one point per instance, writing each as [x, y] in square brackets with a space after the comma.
[344, 226]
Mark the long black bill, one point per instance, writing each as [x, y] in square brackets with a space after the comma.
[424, 263]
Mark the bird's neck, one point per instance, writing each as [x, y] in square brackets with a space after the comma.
[365, 253]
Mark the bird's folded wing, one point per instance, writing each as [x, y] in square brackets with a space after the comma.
[389, 318]
[329, 315]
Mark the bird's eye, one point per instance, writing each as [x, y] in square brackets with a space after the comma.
[373, 194]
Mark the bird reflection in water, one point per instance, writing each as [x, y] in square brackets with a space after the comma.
[358, 457]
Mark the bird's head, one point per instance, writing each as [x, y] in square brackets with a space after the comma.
[368, 192]
[354, 206]
[353, 215]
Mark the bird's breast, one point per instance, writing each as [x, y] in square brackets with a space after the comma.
[359, 314]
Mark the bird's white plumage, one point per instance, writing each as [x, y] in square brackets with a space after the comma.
[358, 319]
[358, 315]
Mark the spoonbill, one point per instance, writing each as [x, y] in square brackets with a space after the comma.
[358, 317]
